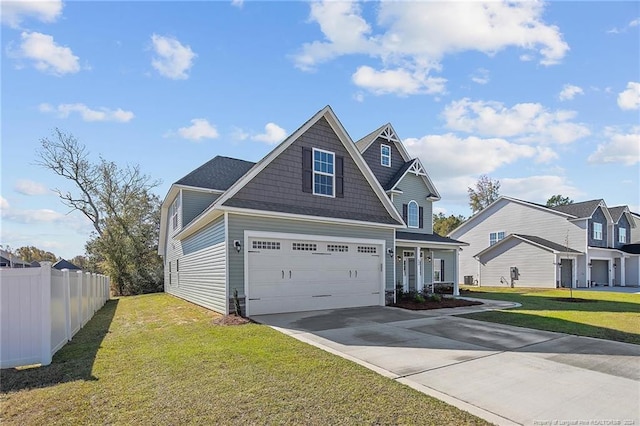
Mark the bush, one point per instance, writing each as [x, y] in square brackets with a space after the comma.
[419, 298]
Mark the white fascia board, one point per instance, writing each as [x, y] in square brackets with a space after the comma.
[428, 244]
[200, 189]
[199, 222]
[294, 216]
[399, 145]
[164, 208]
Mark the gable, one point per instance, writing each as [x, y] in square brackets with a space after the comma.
[279, 185]
[372, 156]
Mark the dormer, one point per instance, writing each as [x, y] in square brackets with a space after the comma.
[384, 153]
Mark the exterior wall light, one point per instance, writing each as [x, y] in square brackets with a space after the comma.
[237, 245]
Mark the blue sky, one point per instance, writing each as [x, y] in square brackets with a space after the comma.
[544, 97]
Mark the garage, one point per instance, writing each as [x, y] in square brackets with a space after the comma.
[294, 274]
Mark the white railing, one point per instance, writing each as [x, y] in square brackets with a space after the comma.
[41, 309]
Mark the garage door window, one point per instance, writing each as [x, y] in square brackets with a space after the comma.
[367, 249]
[337, 247]
[304, 246]
[266, 245]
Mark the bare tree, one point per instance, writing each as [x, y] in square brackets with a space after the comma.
[121, 207]
[486, 191]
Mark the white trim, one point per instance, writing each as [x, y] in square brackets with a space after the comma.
[417, 225]
[426, 244]
[227, 290]
[314, 172]
[396, 141]
[498, 239]
[325, 238]
[533, 243]
[382, 156]
[199, 189]
[418, 169]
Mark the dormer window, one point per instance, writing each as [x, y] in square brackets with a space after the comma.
[622, 235]
[385, 155]
[597, 231]
[412, 214]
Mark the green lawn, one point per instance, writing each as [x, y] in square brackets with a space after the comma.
[156, 359]
[606, 315]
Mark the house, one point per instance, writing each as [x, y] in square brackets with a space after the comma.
[520, 243]
[9, 260]
[320, 222]
[65, 264]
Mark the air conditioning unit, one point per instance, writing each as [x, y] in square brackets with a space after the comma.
[468, 280]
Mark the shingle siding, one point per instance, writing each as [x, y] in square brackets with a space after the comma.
[280, 182]
[599, 217]
[372, 157]
[413, 188]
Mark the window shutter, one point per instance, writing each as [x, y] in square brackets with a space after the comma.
[420, 217]
[307, 170]
[405, 213]
[441, 269]
[339, 177]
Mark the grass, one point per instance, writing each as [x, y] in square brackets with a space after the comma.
[156, 359]
[605, 315]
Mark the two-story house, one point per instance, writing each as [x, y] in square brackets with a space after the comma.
[578, 245]
[320, 222]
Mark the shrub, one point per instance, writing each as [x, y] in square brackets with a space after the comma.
[419, 298]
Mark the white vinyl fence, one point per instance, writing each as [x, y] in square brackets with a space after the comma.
[41, 309]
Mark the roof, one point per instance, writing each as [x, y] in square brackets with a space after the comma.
[65, 264]
[363, 143]
[430, 238]
[533, 240]
[218, 173]
[395, 179]
[631, 248]
[579, 210]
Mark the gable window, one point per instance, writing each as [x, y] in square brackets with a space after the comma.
[385, 155]
[494, 237]
[622, 235]
[412, 214]
[597, 231]
[173, 211]
[323, 172]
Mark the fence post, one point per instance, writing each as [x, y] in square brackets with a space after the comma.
[80, 274]
[67, 303]
[45, 331]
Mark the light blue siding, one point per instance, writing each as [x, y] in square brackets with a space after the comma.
[414, 188]
[194, 203]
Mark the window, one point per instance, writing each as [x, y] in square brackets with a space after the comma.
[494, 237]
[266, 245]
[622, 235]
[367, 249]
[323, 172]
[438, 270]
[412, 214]
[597, 231]
[385, 155]
[304, 246]
[337, 247]
[173, 211]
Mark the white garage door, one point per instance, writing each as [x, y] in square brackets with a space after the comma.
[290, 275]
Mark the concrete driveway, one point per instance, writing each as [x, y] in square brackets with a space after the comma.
[504, 374]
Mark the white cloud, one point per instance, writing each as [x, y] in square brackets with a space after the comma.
[538, 189]
[173, 59]
[46, 55]
[272, 134]
[237, 3]
[33, 216]
[630, 98]
[88, 114]
[413, 38]
[481, 76]
[14, 11]
[200, 129]
[633, 23]
[4, 204]
[399, 81]
[29, 187]
[530, 122]
[239, 134]
[569, 91]
[620, 147]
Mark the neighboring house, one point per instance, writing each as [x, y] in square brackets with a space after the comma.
[578, 245]
[8, 260]
[321, 222]
[65, 264]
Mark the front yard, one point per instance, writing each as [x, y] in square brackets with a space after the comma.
[605, 315]
[156, 359]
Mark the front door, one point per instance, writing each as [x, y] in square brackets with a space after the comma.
[409, 271]
[566, 273]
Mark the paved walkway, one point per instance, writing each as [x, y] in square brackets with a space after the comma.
[506, 375]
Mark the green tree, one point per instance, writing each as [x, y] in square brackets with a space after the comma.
[118, 201]
[486, 191]
[558, 200]
[442, 224]
[31, 253]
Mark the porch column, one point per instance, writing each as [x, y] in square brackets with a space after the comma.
[622, 272]
[588, 270]
[574, 274]
[419, 281]
[456, 284]
[612, 271]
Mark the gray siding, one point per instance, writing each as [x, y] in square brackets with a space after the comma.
[622, 223]
[194, 203]
[598, 216]
[280, 182]
[414, 188]
[536, 266]
[372, 157]
[201, 277]
[514, 218]
[632, 269]
[239, 223]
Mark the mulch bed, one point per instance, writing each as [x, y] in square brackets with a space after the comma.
[573, 300]
[230, 320]
[444, 303]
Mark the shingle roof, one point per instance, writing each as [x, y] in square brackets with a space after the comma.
[616, 212]
[631, 248]
[294, 209]
[580, 210]
[363, 143]
[546, 243]
[65, 264]
[394, 180]
[218, 173]
[431, 238]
